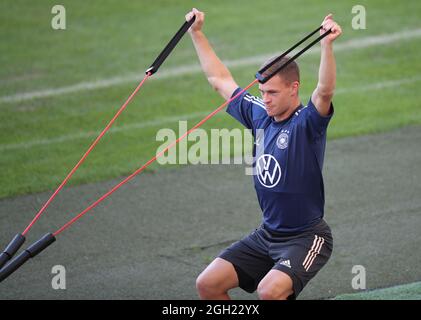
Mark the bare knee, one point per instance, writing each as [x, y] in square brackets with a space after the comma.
[207, 287]
[215, 281]
[203, 285]
[276, 285]
[270, 292]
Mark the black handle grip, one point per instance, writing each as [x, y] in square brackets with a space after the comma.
[265, 74]
[30, 252]
[11, 249]
[41, 244]
[13, 265]
[170, 46]
[3, 259]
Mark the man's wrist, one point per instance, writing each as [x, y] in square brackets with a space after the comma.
[327, 45]
[196, 33]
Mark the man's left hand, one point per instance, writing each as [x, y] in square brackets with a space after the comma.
[329, 23]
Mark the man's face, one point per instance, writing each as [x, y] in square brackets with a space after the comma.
[279, 96]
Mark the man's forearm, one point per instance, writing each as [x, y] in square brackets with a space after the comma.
[327, 71]
[211, 65]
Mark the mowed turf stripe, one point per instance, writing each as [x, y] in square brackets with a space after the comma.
[358, 43]
[189, 116]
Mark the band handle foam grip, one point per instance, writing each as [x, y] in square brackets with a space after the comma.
[170, 46]
[265, 74]
[11, 249]
[28, 253]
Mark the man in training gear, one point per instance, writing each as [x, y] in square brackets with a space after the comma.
[293, 242]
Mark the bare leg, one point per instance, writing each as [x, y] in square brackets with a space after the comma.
[215, 281]
[276, 285]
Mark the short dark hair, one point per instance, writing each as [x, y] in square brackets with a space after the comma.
[289, 74]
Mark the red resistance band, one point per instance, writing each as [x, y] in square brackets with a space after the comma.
[49, 238]
[152, 160]
[34, 249]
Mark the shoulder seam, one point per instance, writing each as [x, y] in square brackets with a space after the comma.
[254, 100]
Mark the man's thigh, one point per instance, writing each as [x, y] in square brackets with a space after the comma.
[250, 259]
[221, 274]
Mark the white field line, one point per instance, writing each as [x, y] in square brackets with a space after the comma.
[378, 85]
[174, 119]
[94, 134]
[195, 68]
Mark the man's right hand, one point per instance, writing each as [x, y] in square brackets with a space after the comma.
[198, 23]
[216, 72]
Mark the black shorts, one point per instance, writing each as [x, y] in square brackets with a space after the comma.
[300, 255]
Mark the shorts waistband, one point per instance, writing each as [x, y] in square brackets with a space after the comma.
[319, 224]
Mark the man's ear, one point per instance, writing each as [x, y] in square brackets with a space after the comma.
[295, 86]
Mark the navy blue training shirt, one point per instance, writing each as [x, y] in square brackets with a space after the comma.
[288, 162]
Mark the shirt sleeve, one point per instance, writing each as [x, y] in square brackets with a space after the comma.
[316, 123]
[243, 108]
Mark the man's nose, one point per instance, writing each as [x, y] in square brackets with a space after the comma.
[265, 98]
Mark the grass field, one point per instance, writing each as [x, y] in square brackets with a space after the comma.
[43, 137]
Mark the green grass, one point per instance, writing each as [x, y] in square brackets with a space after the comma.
[411, 291]
[106, 39]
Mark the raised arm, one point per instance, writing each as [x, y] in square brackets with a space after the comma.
[216, 72]
[323, 94]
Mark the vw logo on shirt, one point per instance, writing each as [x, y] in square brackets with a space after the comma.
[268, 170]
